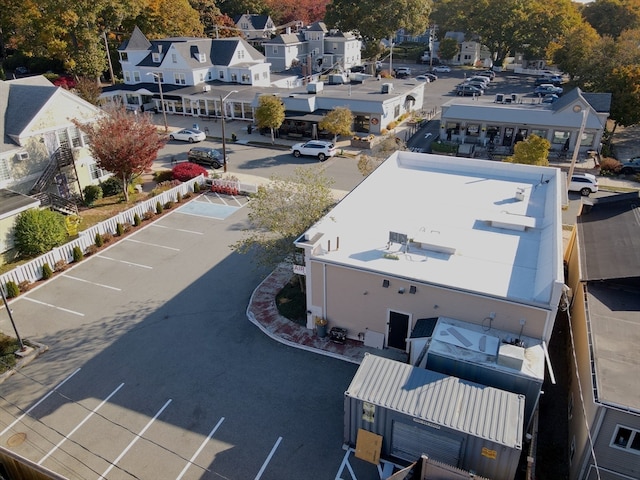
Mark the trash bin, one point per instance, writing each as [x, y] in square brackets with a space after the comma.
[249, 129]
[196, 127]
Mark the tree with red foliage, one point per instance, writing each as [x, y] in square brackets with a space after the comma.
[124, 144]
[186, 171]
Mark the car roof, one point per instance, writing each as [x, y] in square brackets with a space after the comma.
[585, 175]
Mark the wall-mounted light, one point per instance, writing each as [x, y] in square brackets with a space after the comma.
[385, 283]
[401, 291]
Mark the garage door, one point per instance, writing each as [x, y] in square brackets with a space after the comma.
[409, 442]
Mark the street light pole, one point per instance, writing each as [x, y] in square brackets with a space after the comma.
[224, 138]
[164, 112]
[574, 157]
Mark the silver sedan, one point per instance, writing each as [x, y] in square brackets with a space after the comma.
[188, 135]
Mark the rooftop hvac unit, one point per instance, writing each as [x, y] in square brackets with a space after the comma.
[499, 97]
[315, 87]
[206, 88]
[386, 88]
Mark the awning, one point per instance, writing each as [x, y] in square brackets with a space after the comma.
[305, 117]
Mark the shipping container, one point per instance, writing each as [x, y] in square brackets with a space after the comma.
[417, 411]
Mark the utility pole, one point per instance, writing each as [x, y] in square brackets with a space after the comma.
[224, 137]
[6, 305]
[106, 47]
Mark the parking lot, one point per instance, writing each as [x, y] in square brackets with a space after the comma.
[154, 371]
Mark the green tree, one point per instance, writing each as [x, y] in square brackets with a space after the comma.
[167, 18]
[572, 52]
[270, 113]
[624, 85]
[376, 20]
[448, 49]
[338, 121]
[612, 17]
[123, 144]
[38, 231]
[533, 150]
[281, 211]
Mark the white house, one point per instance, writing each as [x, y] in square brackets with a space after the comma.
[256, 28]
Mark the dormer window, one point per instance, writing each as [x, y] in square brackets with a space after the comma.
[156, 57]
[202, 57]
[124, 56]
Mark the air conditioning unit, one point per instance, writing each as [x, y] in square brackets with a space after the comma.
[386, 88]
[499, 97]
[22, 156]
[206, 88]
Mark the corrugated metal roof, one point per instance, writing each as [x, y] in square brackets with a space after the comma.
[484, 412]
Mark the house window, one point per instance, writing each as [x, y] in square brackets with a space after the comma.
[540, 133]
[256, 77]
[76, 140]
[627, 439]
[396, 111]
[4, 170]
[124, 57]
[155, 57]
[127, 77]
[136, 77]
[221, 75]
[246, 78]
[209, 76]
[179, 79]
[234, 77]
[560, 137]
[174, 58]
[201, 77]
[275, 50]
[587, 139]
[264, 75]
[96, 172]
[240, 54]
[159, 77]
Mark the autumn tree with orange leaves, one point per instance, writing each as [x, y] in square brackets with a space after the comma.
[124, 144]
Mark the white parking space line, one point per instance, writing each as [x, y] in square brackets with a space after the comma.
[152, 244]
[125, 262]
[93, 283]
[266, 462]
[80, 424]
[176, 229]
[73, 312]
[202, 445]
[9, 427]
[135, 439]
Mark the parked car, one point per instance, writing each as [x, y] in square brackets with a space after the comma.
[630, 166]
[431, 77]
[585, 183]
[357, 68]
[423, 78]
[466, 89]
[481, 78]
[476, 83]
[22, 70]
[402, 72]
[550, 98]
[188, 135]
[487, 73]
[206, 156]
[314, 148]
[441, 69]
[547, 88]
[552, 79]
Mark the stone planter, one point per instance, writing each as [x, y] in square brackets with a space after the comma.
[365, 144]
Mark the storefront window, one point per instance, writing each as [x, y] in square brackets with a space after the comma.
[587, 139]
[560, 136]
[473, 130]
[454, 128]
[539, 133]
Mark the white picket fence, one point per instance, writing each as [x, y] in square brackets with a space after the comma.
[32, 270]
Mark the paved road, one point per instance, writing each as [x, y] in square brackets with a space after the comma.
[154, 370]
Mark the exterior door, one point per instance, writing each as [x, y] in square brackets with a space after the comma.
[507, 140]
[398, 330]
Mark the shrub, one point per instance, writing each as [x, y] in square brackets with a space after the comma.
[91, 249]
[196, 187]
[38, 231]
[168, 205]
[60, 265]
[99, 241]
[136, 220]
[13, 290]
[77, 254]
[392, 125]
[107, 237]
[46, 271]
[178, 197]
[162, 176]
[24, 286]
[610, 165]
[92, 193]
[119, 229]
[148, 215]
[187, 170]
[158, 208]
[111, 186]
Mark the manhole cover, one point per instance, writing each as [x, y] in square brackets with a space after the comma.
[17, 439]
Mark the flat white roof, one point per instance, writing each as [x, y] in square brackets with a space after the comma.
[476, 225]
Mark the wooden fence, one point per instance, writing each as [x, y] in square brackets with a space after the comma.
[32, 270]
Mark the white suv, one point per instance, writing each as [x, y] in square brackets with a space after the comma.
[585, 183]
[314, 148]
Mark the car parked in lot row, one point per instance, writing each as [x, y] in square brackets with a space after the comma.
[314, 148]
[547, 88]
[188, 135]
[585, 183]
[466, 89]
[441, 69]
